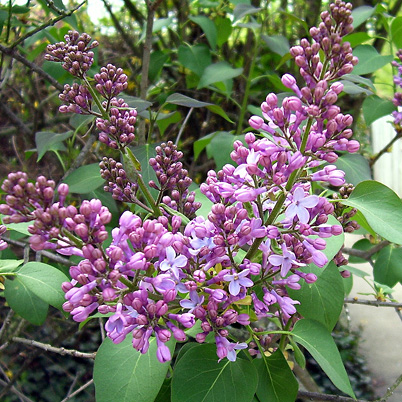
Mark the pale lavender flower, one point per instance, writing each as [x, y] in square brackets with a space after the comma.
[194, 301]
[237, 280]
[227, 349]
[300, 203]
[173, 263]
[285, 261]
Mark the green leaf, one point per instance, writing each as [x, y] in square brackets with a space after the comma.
[381, 207]
[9, 265]
[358, 272]
[223, 29]
[369, 60]
[49, 141]
[206, 204]
[347, 283]
[208, 27]
[221, 146]
[201, 144]
[85, 179]
[137, 103]
[323, 299]
[165, 120]
[143, 153]
[359, 80]
[183, 100]
[196, 58]
[296, 19]
[361, 14]
[220, 112]
[199, 377]
[375, 107]
[24, 302]
[353, 89]
[244, 9]
[388, 266]
[318, 341]
[277, 43]
[396, 31]
[21, 227]
[357, 38]
[355, 166]
[218, 72]
[164, 392]
[276, 381]
[123, 374]
[44, 281]
[157, 61]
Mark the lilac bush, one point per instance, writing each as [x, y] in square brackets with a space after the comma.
[161, 275]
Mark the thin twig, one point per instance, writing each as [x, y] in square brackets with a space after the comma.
[183, 126]
[50, 348]
[102, 329]
[12, 53]
[374, 159]
[390, 390]
[16, 392]
[81, 156]
[80, 389]
[127, 40]
[15, 120]
[45, 253]
[375, 303]
[316, 396]
[46, 24]
[366, 254]
[6, 322]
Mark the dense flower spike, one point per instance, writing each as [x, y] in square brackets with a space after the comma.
[118, 130]
[75, 53]
[174, 179]
[162, 274]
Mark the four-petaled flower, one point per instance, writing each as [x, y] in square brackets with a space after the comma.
[285, 261]
[173, 263]
[298, 207]
[237, 280]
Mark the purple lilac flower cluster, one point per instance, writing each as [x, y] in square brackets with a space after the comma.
[174, 179]
[159, 277]
[398, 95]
[115, 119]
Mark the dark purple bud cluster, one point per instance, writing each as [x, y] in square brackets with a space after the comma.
[77, 98]
[173, 178]
[118, 184]
[110, 81]
[75, 53]
[23, 198]
[118, 130]
[328, 37]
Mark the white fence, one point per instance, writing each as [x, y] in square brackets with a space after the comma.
[388, 169]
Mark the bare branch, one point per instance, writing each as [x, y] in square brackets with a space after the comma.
[368, 253]
[45, 253]
[316, 396]
[50, 348]
[390, 390]
[16, 392]
[12, 53]
[63, 14]
[15, 120]
[80, 389]
[375, 158]
[6, 322]
[375, 303]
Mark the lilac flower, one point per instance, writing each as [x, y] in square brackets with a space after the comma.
[116, 325]
[298, 207]
[237, 280]
[285, 261]
[194, 301]
[227, 349]
[173, 263]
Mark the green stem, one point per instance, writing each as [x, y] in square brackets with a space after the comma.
[126, 282]
[282, 342]
[96, 99]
